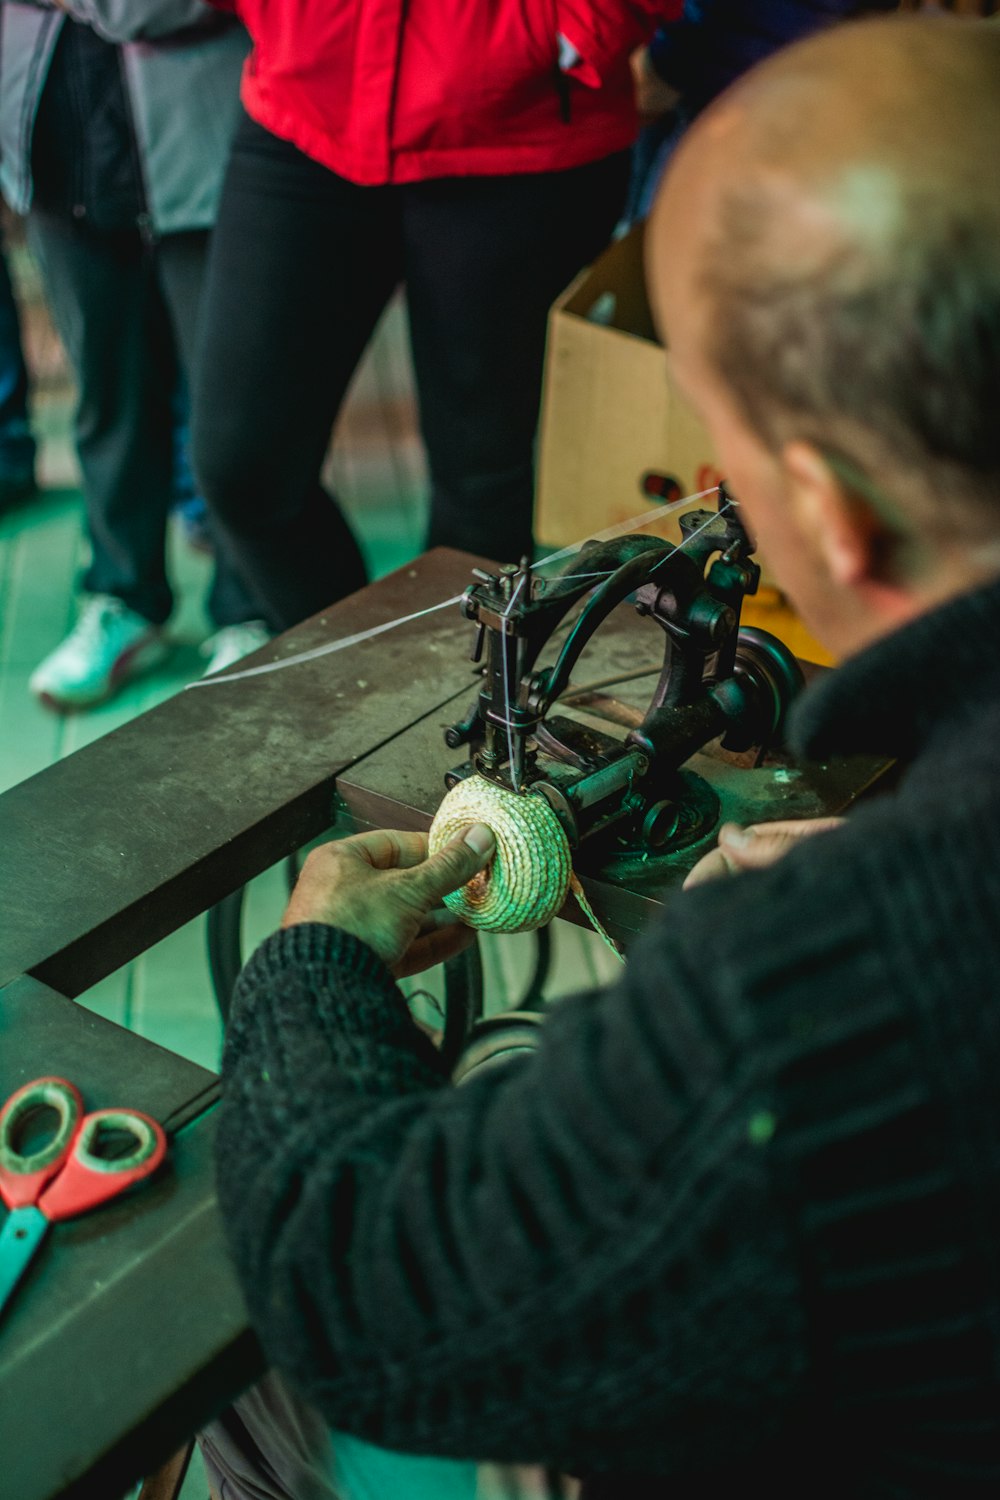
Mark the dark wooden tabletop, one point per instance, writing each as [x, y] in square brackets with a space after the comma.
[128, 1327]
[107, 851]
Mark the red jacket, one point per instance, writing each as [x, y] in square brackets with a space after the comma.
[402, 90]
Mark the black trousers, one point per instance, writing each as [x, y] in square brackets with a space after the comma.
[127, 312]
[302, 264]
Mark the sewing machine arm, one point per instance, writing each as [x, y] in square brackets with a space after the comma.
[716, 679]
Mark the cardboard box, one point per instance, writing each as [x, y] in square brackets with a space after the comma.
[611, 419]
[609, 414]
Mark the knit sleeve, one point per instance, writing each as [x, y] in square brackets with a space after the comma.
[576, 1258]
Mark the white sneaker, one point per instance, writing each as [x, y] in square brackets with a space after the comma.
[108, 644]
[233, 642]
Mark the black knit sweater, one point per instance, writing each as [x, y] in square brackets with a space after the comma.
[736, 1222]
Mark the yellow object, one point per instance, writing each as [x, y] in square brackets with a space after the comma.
[609, 412]
[769, 610]
[529, 877]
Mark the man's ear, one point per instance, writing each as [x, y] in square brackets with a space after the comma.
[840, 527]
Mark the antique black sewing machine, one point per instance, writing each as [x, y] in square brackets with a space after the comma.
[623, 787]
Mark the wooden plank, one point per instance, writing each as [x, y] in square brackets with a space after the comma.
[117, 845]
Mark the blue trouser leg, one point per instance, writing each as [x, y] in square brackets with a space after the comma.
[17, 447]
[127, 314]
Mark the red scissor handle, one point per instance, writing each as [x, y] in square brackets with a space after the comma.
[88, 1179]
[23, 1174]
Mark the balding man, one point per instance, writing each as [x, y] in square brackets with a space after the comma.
[736, 1222]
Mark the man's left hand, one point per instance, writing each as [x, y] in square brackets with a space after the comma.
[756, 847]
[383, 888]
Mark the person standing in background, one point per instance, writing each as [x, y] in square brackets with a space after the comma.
[115, 120]
[474, 151]
[692, 59]
[17, 446]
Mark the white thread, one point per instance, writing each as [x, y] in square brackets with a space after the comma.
[506, 688]
[327, 650]
[574, 577]
[635, 523]
[613, 531]
[690, 537]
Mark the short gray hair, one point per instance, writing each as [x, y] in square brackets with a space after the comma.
[885, 356]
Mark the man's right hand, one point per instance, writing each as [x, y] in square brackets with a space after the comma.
[756, 847]
[384, 888]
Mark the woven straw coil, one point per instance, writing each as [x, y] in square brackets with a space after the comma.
[529, 877]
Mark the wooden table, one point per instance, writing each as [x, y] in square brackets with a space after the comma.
[129, 1329]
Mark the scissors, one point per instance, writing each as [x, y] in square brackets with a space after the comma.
[62, 1177]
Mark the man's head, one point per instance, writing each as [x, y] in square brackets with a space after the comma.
[824, 263]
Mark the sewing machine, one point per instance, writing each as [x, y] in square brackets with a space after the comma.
[617, 776]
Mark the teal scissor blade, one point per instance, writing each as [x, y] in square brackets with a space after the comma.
[21, 1234]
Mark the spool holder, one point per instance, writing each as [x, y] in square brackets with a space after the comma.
[625, 790]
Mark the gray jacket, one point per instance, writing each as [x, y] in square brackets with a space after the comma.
[181, 67]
